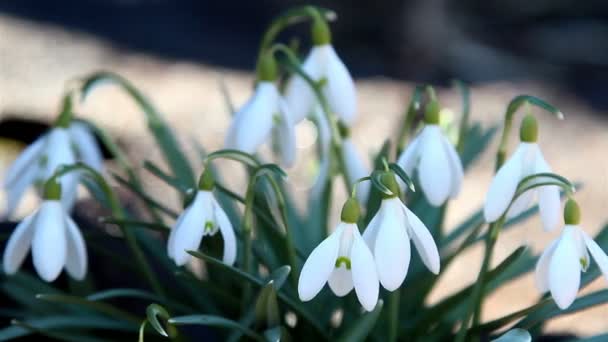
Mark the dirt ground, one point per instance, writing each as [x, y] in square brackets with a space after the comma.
[36, 61]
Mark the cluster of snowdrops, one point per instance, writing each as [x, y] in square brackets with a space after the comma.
[364, 253]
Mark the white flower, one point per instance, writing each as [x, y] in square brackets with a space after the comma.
[60, 146]
[345, 262]
[323, 63]
[56, 243]
[355, 168]
[439, 167]
[559, 267]
[203, 217]
[252, 124]
[324, 138]
[388, 236]
[526, 160]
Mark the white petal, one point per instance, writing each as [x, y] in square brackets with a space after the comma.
[298, 94]
[597, 253]
[86, 146]
[340, 88]
[364, 274]
[76, 263]
[341, 281]
[541, 272]
[565, 270]
[59, 153]
[522, 203]
[456, 169]
[69, 190]
[171, 240]
[409, 158]
[49, 245]
[371, 231]
[189, 233]
[324, 140]
[319, 266]
[27, 159]
[548, 198]
[355, 168]
[503, 186]
[434, 169]
[18, 187]
[227, 232]
[253, 123]
[18, 245]
[423, 240]
[287, 136]
[392, 248]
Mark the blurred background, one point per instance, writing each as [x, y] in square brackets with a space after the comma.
[182, 52]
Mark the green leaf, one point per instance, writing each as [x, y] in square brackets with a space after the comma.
[103, 308]
[148, 200]
[515, 335]
[235, 155]
[360, 329]
[404, 177]
[63, 336]
[162, 133]
[174, 182]
[273, 334]
[122, 293]
[62, 322]
[476, 143]
[153, 313]
[376, 179]
[266, 306]
[279, 276]
[215, 321]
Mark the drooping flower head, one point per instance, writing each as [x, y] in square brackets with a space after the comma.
[438, 164]
[342, 260]
[67, 142]
[388, 236]
[253, 123]
[354, 165]
[55, 240]
[525, 161]
[559, 267]
[323, 63]
[204, 216]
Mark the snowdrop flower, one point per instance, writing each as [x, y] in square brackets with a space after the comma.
[66, 143]
[55, 239]
[355, 168]
[439, 167]
[324, 138]
[527, 160]
[203, 216]
[344, 261]
[559, 267]
[253, 123]
[323, 63]
[388, 236]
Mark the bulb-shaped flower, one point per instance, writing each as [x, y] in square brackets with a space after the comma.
[54, 237]
[525, 161]
[60, 146]
[559, 267]
[204, 216]
[323, 63]
[388, 236]
[439, 167]
[253, 123]
[344, 261]
[355, 168]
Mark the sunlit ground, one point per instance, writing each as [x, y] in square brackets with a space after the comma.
[36, 61]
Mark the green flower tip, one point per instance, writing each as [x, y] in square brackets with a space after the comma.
[65, 117]
[206, 181]
[528, 131]
[431, 112]
[389, 181]
[350, 211]
[572, 212]
[52, 190]
[320, 32]
[267, 68]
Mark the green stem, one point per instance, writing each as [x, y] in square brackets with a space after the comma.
[410, 116]
[119, 213]
[466, 112]
[393, 312]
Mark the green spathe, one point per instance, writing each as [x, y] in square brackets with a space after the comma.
[528, 132]
[572, 212]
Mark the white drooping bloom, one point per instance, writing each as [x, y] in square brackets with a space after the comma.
[388, 236]
[324, 139]
[527, 160]
[253, 123]
[204, 216]
[559, 267]
[439, 167]
[339, 89]
[55, 240]
[60, 146]
[355, 168]
[345, 262]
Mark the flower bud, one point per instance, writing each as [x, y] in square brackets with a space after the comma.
[267, 68]
[528, 131]
[320, 32]
[52, 190]
[350, 211]
[389, 181]
[206, 182]
[572, 213]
